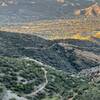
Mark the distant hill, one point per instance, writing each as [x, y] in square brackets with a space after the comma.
[12, 11]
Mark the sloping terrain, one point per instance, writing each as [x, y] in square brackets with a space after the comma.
[24, 77]
[68, 55]
[83, 28]
[53, 59]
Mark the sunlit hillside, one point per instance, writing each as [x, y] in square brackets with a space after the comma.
[59, 29]
[97, 35]
[86, 37]
[80, 37]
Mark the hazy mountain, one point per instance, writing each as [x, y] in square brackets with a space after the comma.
[27, 10]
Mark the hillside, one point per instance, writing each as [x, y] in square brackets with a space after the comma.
[34, 68]
[49, 49]
[83, 28]
[68, 55]
[31, 80]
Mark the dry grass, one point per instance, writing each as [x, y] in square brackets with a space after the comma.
[58, 29]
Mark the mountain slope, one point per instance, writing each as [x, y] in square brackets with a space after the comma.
[68, 55]
[29, 76]
[16, 11]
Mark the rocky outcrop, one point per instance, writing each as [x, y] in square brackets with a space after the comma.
[60, 1]
[93, 10]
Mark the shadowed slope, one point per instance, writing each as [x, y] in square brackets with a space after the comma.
[69, 55]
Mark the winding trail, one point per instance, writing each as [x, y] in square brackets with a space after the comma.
[42, 86]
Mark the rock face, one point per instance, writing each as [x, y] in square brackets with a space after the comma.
[4, 3]
[60, 1]
[93, 10]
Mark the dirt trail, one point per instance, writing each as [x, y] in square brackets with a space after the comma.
[41, 86]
